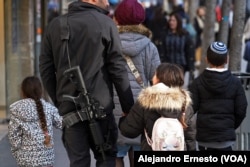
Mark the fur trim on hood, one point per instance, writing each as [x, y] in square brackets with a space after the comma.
[141, 29]
[161, 97]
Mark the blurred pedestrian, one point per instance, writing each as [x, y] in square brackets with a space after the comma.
[53, 10]
[157, 26]
[178, 46]
[199, 23]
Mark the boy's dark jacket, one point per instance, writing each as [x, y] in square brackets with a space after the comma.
[220, 102]
[151, 104]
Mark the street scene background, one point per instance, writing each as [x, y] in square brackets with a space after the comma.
[22, 24]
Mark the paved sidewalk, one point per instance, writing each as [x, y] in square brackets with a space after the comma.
[6, 159]
[3, 131]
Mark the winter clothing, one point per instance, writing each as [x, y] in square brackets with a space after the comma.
[151, 104]
[178, 49]
[95, 46]
[26, 136]
[129, 12]
[199, 26]
[220, 102]
[136, 44]
[157, 24]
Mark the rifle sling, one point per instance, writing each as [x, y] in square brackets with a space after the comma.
[72, 117]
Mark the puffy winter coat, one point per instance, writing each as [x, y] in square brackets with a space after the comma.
[220, 102]
[137, 45]
[26, 136]
[152, 103]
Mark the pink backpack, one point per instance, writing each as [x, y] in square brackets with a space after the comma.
[167, 135]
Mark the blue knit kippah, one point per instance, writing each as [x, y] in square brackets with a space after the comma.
[218, 47]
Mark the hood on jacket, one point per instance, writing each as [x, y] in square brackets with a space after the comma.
[216, 82]
[161, 97]
[134, 38]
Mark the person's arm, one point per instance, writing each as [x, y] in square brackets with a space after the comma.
[57, 119]
[14, 131]
[132, 125]
[47, 68]
[190, 131]
[240, 106]
[194, 95]
[116, 65]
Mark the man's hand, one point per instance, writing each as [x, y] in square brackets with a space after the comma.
[124, 114]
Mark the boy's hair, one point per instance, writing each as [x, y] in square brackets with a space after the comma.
[170, 74]
[217, 53]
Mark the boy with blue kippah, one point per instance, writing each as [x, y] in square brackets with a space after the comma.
[219, 101]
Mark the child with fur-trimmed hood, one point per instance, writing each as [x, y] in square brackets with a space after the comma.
[165, 98]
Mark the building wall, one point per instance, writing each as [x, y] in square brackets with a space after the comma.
[2, 62]
[19, 46]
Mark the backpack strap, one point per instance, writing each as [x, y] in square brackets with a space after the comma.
[150, 142]
[148, 138]
[134, 71]
[183, 107]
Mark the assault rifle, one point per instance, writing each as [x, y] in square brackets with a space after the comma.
[87, 109]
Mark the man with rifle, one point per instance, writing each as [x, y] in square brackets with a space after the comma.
[92, 43]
